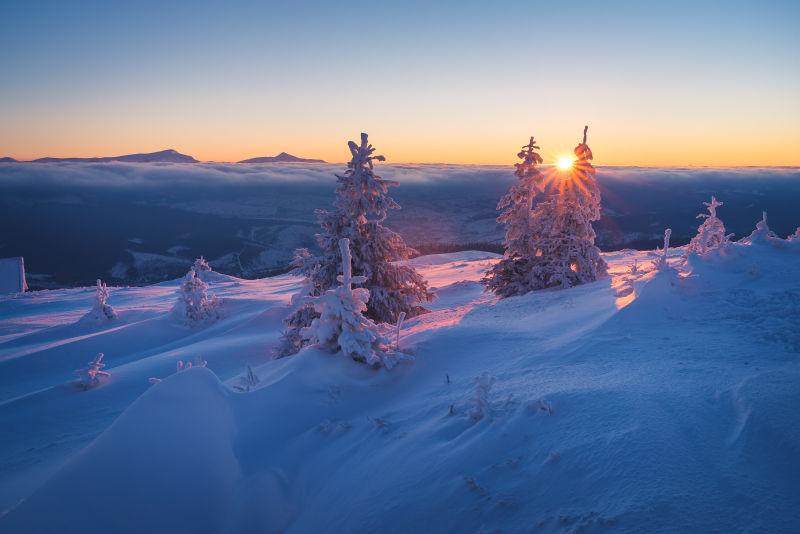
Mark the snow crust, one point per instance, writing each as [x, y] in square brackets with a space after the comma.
[651, 401]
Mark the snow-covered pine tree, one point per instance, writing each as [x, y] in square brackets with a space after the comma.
[201, 265]
[195, 305]
[100, 310]
[562, 237]
[341, 324]
[301, 311]
[795, 236]
[661, 263]
[91, 375]
[762, 233]
[510, 275]
[710, 234]
[360, 208]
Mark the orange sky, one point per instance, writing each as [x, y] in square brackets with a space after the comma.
[660, 83]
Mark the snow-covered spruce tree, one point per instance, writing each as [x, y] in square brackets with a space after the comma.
[102, 311]
[341, 324]
[711, 234]
[204, 271]
[661, 263]
[195, 305]
[562, 237]
[301, 311]
[360, 208]
[91, 375]
[201, 265]
[510, 276]
[762, 233]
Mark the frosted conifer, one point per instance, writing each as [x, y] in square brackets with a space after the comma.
[102, 311]
[661, 257]
[301, 311]
[762, 233]
[510, 275]
[201, 265]
[91, 375]
[195, 305]
[710, 234]
[341, 324]
[562, 237]
[361, 206]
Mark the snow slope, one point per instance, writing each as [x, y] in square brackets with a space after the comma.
[657, 402]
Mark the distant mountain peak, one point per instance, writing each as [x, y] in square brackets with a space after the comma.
[7, 160]
[283, 157]
[169, 155]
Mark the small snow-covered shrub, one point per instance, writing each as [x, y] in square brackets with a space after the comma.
[661, 263]
[398, 328]
[301, 310]
[248, 381]
[182, 366]
[204, 271]
[195, 305]
[102, 311]
[711, 234]
[341, 324]
[201, 265]
[481, 405]
[762, 233]
[91, 375]
[188, 364]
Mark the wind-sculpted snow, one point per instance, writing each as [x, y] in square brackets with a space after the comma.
[650, 401]
[247, 219]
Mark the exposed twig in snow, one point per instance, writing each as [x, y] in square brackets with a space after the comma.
[91, 375]
[400, 319]
[248, 381]
[481, 404]
[181, 366]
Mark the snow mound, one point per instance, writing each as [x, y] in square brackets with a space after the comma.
[169, 459]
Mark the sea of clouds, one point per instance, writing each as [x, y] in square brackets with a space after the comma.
[252, 216]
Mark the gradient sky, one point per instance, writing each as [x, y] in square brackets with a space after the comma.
[659, 82]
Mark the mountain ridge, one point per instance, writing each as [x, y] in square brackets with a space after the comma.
[283, 157]
[163, 156]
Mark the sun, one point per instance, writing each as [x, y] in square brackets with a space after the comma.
[564, 163]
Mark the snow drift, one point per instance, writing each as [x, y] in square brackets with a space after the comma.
[654, 400]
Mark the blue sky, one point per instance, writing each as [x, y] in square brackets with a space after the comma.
[659, 82]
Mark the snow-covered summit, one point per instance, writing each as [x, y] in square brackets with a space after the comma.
[652, 400]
